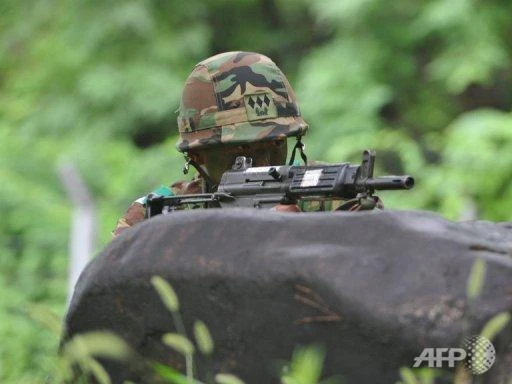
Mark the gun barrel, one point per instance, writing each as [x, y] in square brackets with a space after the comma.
[391, 182]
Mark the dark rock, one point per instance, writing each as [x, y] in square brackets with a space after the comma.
[374, 288]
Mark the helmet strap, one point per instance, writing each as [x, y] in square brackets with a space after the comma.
[299, 145]
[186, 166]
[210, 185]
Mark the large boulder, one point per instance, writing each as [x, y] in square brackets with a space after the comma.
[374, 288]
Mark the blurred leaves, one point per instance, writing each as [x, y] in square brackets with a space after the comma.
[495, 325]
[46, 318]
[179, 343]
[476, 279]
[82, 350]
[225, 378]
[408, 376]
[167, 293]
[172, 375]
[203, 337]
[421, 375]
[98, 344]
[306, 366]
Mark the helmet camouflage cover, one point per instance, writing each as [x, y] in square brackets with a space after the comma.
[236, 98]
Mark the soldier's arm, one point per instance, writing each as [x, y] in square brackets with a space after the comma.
[137, 211]
[135, 214]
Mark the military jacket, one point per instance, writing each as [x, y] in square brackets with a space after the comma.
[137, 210]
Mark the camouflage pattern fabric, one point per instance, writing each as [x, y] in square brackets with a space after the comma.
[236, 98]
[137, 210]
[319, 205]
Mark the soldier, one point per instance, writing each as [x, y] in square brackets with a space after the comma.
[233, 104]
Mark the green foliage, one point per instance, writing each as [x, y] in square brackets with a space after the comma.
[408, 376]
[77, 359]
[166, 293]
[182, 344]
[224, 378]
[476, 279]
[172, 375]
[427, 84]
[306, 366]
[427, 376]
[179, 343]
[420, 376]
[97, 344]
[203, 338]
[81, 352]
[495, 325]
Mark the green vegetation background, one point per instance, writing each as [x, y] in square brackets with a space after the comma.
[427, 84]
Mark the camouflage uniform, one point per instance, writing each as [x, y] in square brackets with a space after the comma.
[232, 98]
[137, 210]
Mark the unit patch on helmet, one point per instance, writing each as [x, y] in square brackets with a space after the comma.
[260, 106]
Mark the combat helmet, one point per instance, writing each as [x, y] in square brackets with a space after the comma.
[237, 98]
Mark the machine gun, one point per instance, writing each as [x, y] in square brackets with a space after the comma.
[265, 187]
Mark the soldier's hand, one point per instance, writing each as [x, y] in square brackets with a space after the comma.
[286, 208]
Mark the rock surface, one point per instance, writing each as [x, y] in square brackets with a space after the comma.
[374, 288]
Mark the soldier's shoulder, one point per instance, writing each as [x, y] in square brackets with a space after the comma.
[137, 210]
